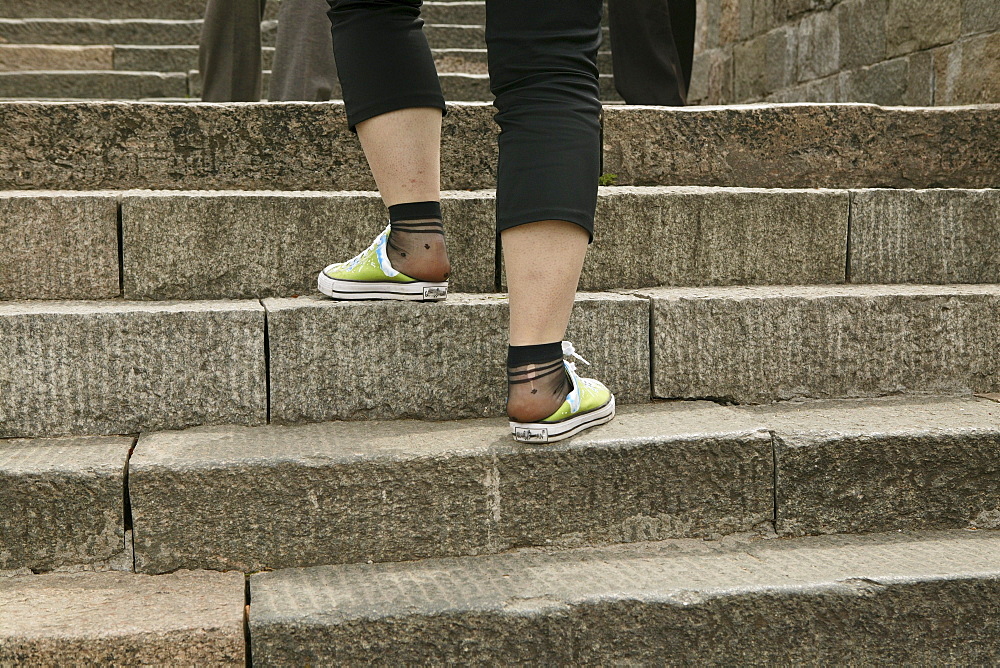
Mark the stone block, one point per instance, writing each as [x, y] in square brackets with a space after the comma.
[781, 63]
[454, 13]
[927, 236]
[233, 245]
[825, 90]
[106, 9]
[93, 85]
[917, 599]
[79, 31]
[914, 25]
[706, 236]
[968, 71]
[818, 41]
[14, 57]
[920, 84]
[980, 16]
[430, 361]
[885, 83]
[750, 62]
[729, 22]
[93, 619]
[290, 146]
[758, 345]
[862, 32]
[62, 503]
[712, 77]
[178, 58]
[706, 36]
[837, 146]
[118, 368]
[58, 246]
[665, 471]
[885, 464]
[346, 492]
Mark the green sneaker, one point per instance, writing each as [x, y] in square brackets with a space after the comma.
[369, 275]
[588, 404]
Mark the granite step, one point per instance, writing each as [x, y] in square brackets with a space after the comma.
[304, 146]
[168, 32]
[766, 344]
[114, 367]
[468, 11]
[911, 599]
[346, 492]
[184, 58]
[247, 244]
[123, 619]
[92, 84]
[456, 86]
[341, 492]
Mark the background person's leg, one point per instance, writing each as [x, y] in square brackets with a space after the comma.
[544, 74]
[644, 55]
[229, 51]
[303, 68]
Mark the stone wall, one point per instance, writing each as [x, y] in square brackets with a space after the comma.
[890, 52]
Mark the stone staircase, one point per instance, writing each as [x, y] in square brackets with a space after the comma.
[137, 52]
[204, 462]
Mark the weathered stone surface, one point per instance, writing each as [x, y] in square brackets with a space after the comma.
[62, 502]
[884, 83]
[225, 245]
[920, 84]
[750, 61]
[14, 57]
[913, 25]
[712, 77]
[345, 492]
[968, 71]
[818, 41]
[925, 236]
[159, 58]
[706, 236]
[861, 27]
[292, 146]
[830, 146]
[855, 466]
[820, 90]
[93, 85]
[106, 9]
[118, 368]
[58, 246]
[980, 16]
[664, 471]
[101, 619]
[921, 599]
[368, 360]
[93, 31]
[708, 26]
[756, 345]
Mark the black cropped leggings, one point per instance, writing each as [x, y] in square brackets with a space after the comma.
[543, 73]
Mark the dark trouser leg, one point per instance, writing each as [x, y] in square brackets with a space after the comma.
[303, 67]
[682, 24]
[543, 72]
[229, 51]
[644, 54]
[383, 59]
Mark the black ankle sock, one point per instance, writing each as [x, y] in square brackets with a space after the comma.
[415, 211]
[536, 354]
[408, 221]
[537, 382]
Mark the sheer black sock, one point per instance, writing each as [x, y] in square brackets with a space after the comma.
[416, 245]
[537, 383]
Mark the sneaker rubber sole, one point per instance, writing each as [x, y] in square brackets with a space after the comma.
[419, 291]
[550, 432]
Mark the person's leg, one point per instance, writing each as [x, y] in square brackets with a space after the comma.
[229, 51]
[683, 19]
[303, 68]
[394, 102]
[644, 57]
[543, 73]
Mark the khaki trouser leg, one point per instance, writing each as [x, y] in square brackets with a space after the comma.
[304, 68]
[229, 51]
